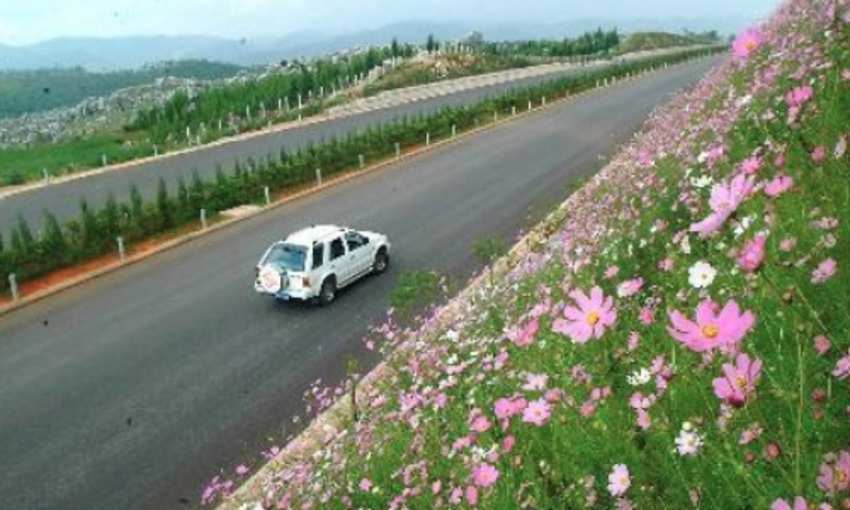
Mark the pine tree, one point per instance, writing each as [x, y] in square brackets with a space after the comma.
[26, 238]
[111, 216]
[196, 193]
[53, 240]
[183, 207]
[91, 233]
[136, 205]
[163, 206]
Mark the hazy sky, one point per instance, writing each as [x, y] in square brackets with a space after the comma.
[27, 21]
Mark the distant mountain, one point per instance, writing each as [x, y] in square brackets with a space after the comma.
[133, 52]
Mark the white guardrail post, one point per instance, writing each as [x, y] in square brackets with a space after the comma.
[427, 139]
[397, 150]
[318, 176]
[103, 159]
[13, 286]
[361, 160]
[513, 110]
[46, 175]
[267, 195]
[121, 253]
[204, 219]
[454, 130]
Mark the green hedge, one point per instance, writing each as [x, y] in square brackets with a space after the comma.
[94, 232]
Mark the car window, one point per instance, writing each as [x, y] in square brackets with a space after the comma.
[318, 255]
[287, 256]
[337, 248]
[355, 240]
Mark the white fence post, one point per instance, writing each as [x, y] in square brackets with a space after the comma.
[267, 194]
[318, 176]
[103, 159]
[513, 110]
[397, 150]
[427, 139]
[543, 101]
[361, 160]
[188, 134]
[46, 175]
[155, 150]
[495, 117]
[204, 219]
[13, 286]
[121, 253]
[279, 105]
[454, 130]
[299, 102]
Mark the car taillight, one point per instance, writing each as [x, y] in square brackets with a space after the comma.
[305, 282]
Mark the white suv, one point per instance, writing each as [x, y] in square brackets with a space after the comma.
[313, 263]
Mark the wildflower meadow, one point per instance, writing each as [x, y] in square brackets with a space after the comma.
[681, 339]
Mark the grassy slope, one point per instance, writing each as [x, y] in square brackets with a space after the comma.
[414, 445]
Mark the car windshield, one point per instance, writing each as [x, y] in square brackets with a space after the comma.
[287, 256]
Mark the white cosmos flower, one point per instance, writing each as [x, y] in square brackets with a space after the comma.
[701, 182]
[639, 377]
[701, 274]
[689, 441]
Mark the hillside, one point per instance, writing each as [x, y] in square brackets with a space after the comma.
[674, 336]
[35, 91]
[640, 41]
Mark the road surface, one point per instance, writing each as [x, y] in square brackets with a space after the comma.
[133, 390]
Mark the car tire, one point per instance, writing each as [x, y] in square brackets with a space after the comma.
[327, 294]
[381, 263]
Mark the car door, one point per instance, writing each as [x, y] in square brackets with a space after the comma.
[340, 262]
[359, 253]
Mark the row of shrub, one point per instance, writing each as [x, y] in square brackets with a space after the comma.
[94, 233]
[215, 104]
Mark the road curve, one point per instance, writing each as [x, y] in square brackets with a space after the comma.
[63, 198]
[131, 391]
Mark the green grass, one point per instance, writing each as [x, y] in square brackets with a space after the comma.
[26, 164]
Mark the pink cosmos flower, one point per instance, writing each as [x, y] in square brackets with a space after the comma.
[752, 255]
[525, 336]
[611, 272]
[436, 487]
[646, 316]
[842, 367]
[822, 344]
[241, 470]
[751, 433]
[788, 244]
[824, 271]
[778, 185]
[590, 319]
[537, 412]
[738, 381]
[712, 330]
[751, 165]
[666, 264]
[725, 200]
[365, 485]
[819, 154]
[455, 496]
[630, 287]
[619, 480]
[798, 96]
[508, 443]
[485, 475]
[747, 43]
[535, 382]
[633, 341]
[503, 408]
[835, 476]
[480, 424]
[781, 504]
[471, 495]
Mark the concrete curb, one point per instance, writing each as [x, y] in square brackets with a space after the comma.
[173, 243]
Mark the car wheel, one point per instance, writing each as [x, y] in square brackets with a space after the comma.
[382, 261]
[328, 292]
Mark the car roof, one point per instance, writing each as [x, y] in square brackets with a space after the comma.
[307, 236]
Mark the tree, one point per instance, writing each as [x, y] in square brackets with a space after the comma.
[163, 206]
[431, 43]
[395, 50]
[111, 216]
[196, 193]
[136, 205]
[183, 206]
[53, 240]
[27, 241]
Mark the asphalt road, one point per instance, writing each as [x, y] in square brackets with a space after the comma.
[133, 390]
[63, 199]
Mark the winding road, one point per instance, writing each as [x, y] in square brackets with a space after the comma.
[134, 389]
